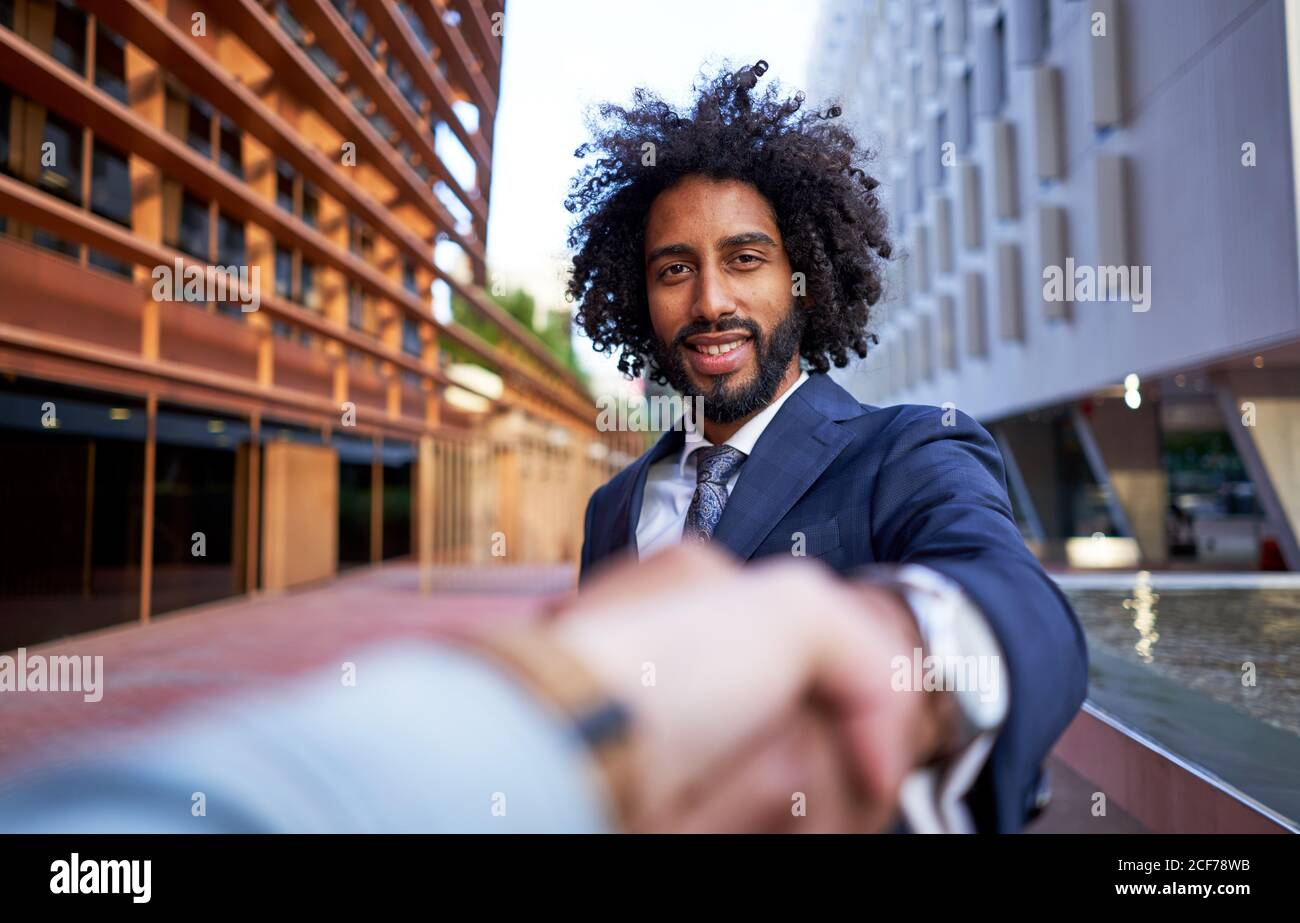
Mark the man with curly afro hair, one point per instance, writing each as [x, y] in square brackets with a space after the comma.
[734, 250]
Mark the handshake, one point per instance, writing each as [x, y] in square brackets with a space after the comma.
[755, 700]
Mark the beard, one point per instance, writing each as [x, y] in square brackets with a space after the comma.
[725, 402]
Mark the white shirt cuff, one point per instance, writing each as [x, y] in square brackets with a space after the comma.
[961, 649]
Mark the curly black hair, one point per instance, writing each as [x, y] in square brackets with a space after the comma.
[809, 168]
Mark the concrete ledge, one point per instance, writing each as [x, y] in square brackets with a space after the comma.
[1163, 792]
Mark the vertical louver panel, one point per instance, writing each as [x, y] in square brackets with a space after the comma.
[948, 332]
[1104, 60]
[977, 338]
[909, 357]
[1053, 247]
[1011, 321]
[954, 26]
[1048, 123]
[959, 114]
[935, 132]
[1112, 210]
[1027, 24]
[921, 257]
[925, 346]
[943, 250]
[931, 54]
[988, 63]
[972, 217]
[1006, 199]
[916, 182]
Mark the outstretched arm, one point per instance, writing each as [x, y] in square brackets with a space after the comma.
[941, 501]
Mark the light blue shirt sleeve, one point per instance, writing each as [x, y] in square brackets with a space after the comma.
[428, 740]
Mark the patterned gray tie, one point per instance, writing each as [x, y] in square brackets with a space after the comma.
[714, 466]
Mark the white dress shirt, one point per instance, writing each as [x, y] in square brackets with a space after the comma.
[670, 483]
[931, 799]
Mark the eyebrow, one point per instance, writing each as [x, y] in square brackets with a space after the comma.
[724, 243]
[747, 237]
[669, 250]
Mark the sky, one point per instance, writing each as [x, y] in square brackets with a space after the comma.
[561, 56]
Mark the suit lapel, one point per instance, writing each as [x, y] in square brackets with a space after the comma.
[623, 533]
[797, 446]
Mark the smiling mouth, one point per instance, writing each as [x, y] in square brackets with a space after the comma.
[719, 346]
[719, 350]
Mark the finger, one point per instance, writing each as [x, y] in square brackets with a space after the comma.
[751, 790]
[792, 781]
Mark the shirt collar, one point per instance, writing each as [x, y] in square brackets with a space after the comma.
[746, 437]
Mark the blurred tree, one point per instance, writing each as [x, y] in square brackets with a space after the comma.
[556, 334]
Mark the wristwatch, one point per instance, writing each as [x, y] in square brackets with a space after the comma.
[956, 640]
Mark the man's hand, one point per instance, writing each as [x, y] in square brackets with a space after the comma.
[748, 687]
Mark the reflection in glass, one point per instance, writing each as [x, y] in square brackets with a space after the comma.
[72, 497]
[198, 503]
[356, 460]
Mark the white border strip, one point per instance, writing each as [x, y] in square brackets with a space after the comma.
[1180, 580]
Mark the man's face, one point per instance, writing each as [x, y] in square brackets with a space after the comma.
[718, 282]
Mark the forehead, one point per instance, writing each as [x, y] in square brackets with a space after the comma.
[699, 210]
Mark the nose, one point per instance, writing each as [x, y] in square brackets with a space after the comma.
[713, 297]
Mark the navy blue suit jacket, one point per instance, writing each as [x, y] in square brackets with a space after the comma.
[894, 484]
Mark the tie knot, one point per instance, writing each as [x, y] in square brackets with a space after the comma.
[716, 464]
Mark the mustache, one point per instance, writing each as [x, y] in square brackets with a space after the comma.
[723, 326]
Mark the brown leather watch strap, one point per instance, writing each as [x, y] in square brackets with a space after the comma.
[561, 678]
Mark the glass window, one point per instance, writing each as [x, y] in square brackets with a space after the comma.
[231, 153]
[62, 174]
[310, 204]
[361, 239]
[198, 129]
[310, 297]
[4, 128]
[417, 27]
[196, 545]
[110, 184]
[356, 308]
[382, 125]
[287, 22]
[110, 62]
[69, 41]
[359, 23]
[76, 488]
[356, 457]
[231, 263]
[47, 241]
[399, 464]
[411, 338]
[284, 186]
[283, 273]
[193, 237]
[230, 240]
[112, 264]
[323, 61]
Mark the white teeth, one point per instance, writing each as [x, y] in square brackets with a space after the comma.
[712, 350]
